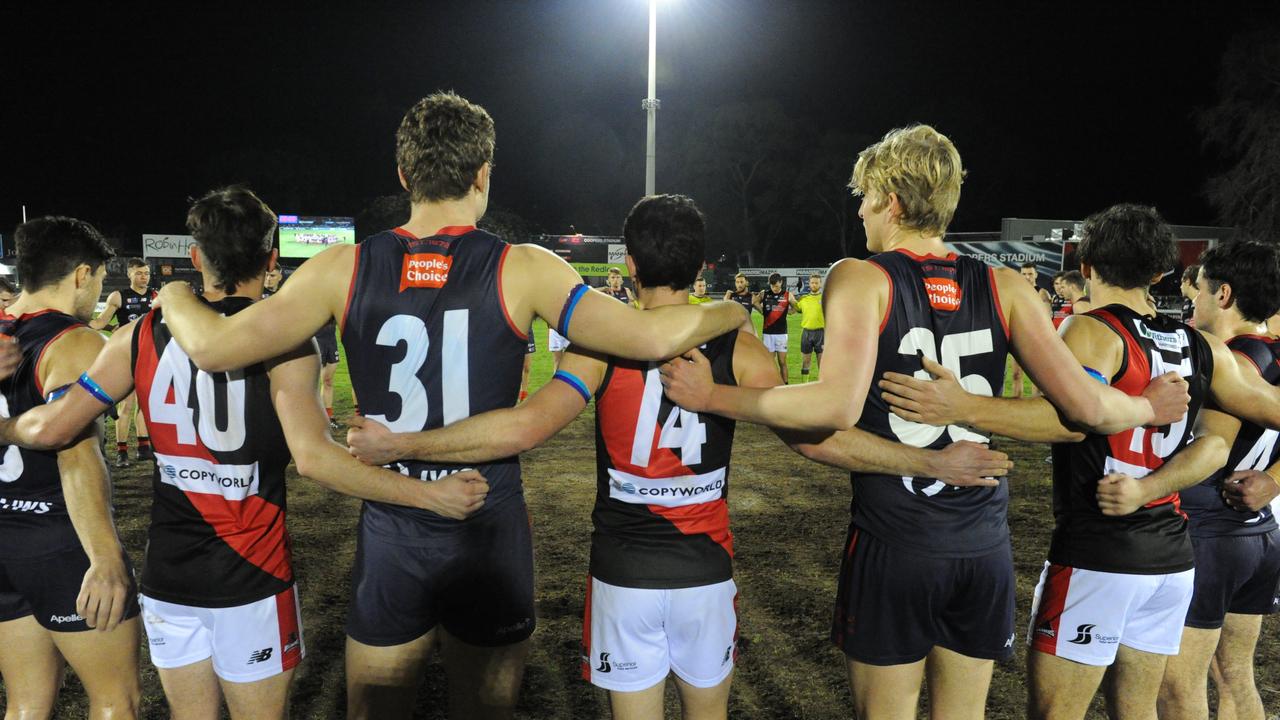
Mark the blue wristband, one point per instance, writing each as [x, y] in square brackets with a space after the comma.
[572, 381]
[570, 304]
[95, 390]
[57, 393]
[1096, 375]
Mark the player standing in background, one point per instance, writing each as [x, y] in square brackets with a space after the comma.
[741, 294]
[433, 316]
[775, 304]
[1118, 581]
[125, 307]
[699, 294]
[812, 325]
[1187, 288]
[928, 574]
[1232, 524]
[614, 289]
[66, 587]
[8, 293]
[221, 610]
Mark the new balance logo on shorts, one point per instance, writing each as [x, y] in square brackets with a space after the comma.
[258, 656]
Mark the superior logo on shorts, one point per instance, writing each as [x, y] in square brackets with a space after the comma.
[944, 293]
[425, 270]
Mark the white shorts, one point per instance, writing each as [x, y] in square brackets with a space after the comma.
[247, 642]
[1085, 615]
[555, 341]
[633, 637]
[775, 343]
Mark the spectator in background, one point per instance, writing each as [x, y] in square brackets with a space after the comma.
[8, 293]
[1189, 292]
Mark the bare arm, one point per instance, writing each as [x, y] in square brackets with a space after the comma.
[491, 435]
[854, 303]
[86, 489]
[313, 295]
[791, 304]
[108, 312]
[294, 393]
[1120, 494]
[540, 282]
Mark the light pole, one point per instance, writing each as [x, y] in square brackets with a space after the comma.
[651, 104]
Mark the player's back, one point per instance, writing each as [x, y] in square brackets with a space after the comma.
[217, 536]
[1153, 539]
[33, 513]
[661, 518]
[1255, 448]
[429, 342]
[946, 309]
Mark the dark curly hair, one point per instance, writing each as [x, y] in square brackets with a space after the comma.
[1128, 245]
[1252, 269]
[235, 231]
[666, 236]
[51, 248]
[442, 142]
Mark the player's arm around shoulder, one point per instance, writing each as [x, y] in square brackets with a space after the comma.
[1238, 389]
[538, 282]
[316, 292]
[491, 435]
[1120, 494]
[108, 311]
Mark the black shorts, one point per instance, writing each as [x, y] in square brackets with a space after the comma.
[1234, 574]
[48, 586]
[811, 341]
[894, 606]
[328, 348]
[474, 579]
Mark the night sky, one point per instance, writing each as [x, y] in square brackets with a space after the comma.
[1058, 109]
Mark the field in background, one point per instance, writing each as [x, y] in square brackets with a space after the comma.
[790, 518]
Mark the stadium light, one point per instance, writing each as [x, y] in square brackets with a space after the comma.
[651, 104]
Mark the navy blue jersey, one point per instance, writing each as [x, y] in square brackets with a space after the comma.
[1153, 540]
[1255, 448]
[620, 294]
[744, 299]
[429, 343]
[33, 514]
[217, 536]
[661, 518]
[947, 310]
[776, 307]
[133, 305]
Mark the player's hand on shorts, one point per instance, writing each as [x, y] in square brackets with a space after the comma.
[1120, 494]
[687, 381]
[1168, 397]
[371, 442]
[1249, 490]
[932, 402]
[458, 495]
[968, 464]
[104, 593]
[10, 356]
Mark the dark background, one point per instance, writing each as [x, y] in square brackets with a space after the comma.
[120, 115]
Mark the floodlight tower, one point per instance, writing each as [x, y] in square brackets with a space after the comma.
[651, 104]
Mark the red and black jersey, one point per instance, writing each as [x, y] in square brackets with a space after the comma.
[1255, 448]
[133, 305]
[1061, 309]
[744, 299]
[1153, 540]
[946, 309]
[217, 535]
[775, 306]
[429, 343]
[33, 513]
[661, 518]
[620, 294]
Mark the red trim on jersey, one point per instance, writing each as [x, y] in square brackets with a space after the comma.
[448, 230]
[37, 313]
[586, 634]
[922, 258]
[888, 307]
[995, 298]
[502, 300]
[36, 375]
[351, 290]
[706, 518]
[403, 233]
[287, 619]
[1246, 357]
[1053, 601]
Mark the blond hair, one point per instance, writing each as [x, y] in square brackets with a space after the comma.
[921, 166]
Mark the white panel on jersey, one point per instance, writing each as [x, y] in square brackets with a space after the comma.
[667, 492]
[1112, 465]
[195, 475]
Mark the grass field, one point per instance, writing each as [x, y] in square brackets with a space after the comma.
[790, 518]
